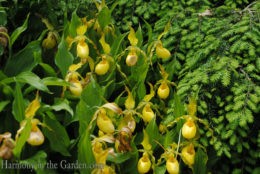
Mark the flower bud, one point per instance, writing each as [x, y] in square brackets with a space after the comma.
[49, 42]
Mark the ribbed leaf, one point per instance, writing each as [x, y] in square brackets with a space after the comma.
[201, 159]
[33, 80]
[153, 132]
[85, 154]
[54, 81]
[57, 135]
[48, 69]
[24, 135]
[92, 94]
[18, 104]
[104, 17]
[63, 58]
[24, 60]
[3, 105]
[18, 31]
[62, 104]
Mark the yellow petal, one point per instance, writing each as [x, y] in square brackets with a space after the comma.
[145, 143]
[47, 24]
[129, 102]
[127, 122]
[99, 153]
[75, 67]
[33, 107]
[148, 97]
[132, 38]
[105, 46]
[69, 41]
[81, 30]
[162, 52]
[113, 107]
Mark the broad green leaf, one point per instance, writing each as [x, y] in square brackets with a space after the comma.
[109, 86]
[150, 31]
[18, 109]
[84, 113]
[168, 138]
[54, 81]
[18, 31]
[200, 166]
[104, 17]
[48, 69]
[132, 162]
[178, 110]
[92, 94]
[62, 104]
[141, 90]
[119, 158]
[33, 80]
[75, 22]
[3, 105]
[63, 58]
[117, 44]
[57, 135]
[36, 162]
[160, 169]
[139, 72]
[8, 80]
[178, 106]
[24, 60]
[153, 132]
[85, 154]
[24, 135]
[139, 36]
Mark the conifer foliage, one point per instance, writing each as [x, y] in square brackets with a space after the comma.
[216, 56]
